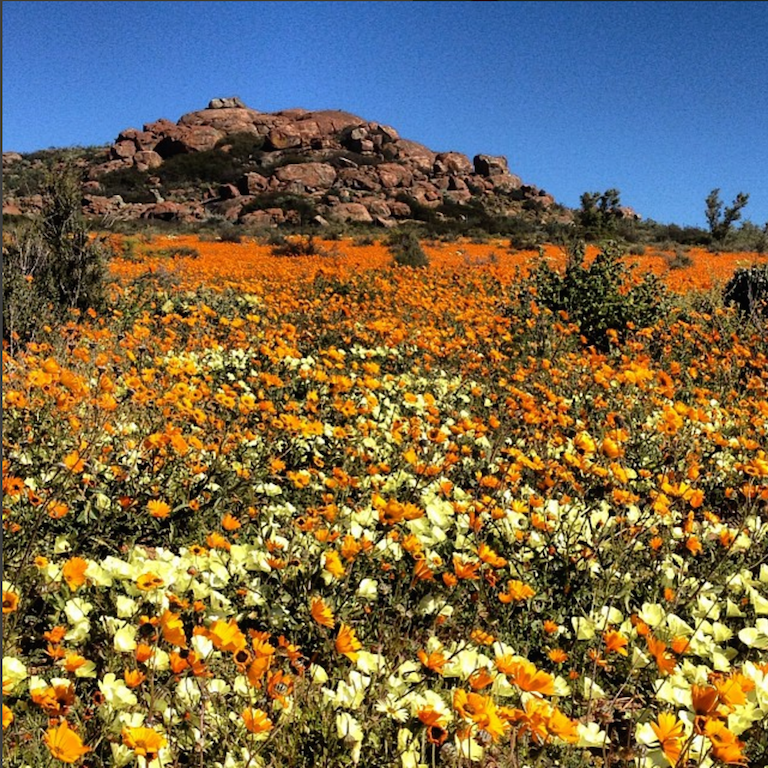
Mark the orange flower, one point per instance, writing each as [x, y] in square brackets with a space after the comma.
[704, 699]
[64, 744]
[487, 555]
[226, 636]
[256, 720]
[279, 686]
[664, 659]
[562, 726]
[481, 637]
[217, 541]
[516, 592]
[148, 581]
[56, 700]
[480, 679]
[134, 678]
[615, 642]
[525, 676]
[465, 570]
[7, 716]
[725, 746]
[550, 627]
[333, 564]
[74, 572]
[143, 652]
[434, 661]
[347, 642]
[10, 601]
[322, 613]
[145, 742]
[75, 463]
[173, 629]
[669, 731]
[73, 661]
[230, 522]
[158, 509]
[558, 656]
[481, 710]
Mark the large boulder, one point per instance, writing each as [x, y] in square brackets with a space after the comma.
[311, 175]
[350, 212]
[490, 165]
[452, 162]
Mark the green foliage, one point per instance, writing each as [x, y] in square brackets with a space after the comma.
[748, 289]
[406, 249]
[680, 259]
[296, 246]
[721, 220]
[129, 183]
[304, 206]
[599, 213]
[242, 147]
[211, 166]
[600, 297]
[53, 265]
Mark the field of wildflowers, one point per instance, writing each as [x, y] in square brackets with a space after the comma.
[326, 511]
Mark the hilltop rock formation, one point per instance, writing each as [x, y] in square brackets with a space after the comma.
[257, 167]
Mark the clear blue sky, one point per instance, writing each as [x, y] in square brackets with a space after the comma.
[662, 100]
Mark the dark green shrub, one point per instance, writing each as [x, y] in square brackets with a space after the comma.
[599, 297]
[297, 246]
[52, 265]
[129, 183]
[304, 206]
[748, 289]
[680, 259]
[178, 252]
[212, 166]
[406, 249]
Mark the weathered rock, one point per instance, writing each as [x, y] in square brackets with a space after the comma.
[226, 103]
[377, 207]
[393, 175]
[452, 162]
[311, 175]
[11, 157]
[123, 150]
[228, 192]
[259, 219]
[253, 183]
[363, 178]
[415, 154]
[146, 160]
[490, 165]
[351, 212]
[284, 137]
[169, 211]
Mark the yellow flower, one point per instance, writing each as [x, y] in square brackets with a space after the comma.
[144, 741]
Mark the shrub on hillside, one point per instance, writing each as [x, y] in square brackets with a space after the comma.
[601, 297]
[406, 249]
[748, 289]
[52, 265]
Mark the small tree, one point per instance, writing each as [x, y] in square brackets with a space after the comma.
[721, 221]
[599, 212]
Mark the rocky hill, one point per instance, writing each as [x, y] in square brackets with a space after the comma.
[234, 163]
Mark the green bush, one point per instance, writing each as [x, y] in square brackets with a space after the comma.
[406, 249]
[748, 289]
[52, 265]
[600, 297]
